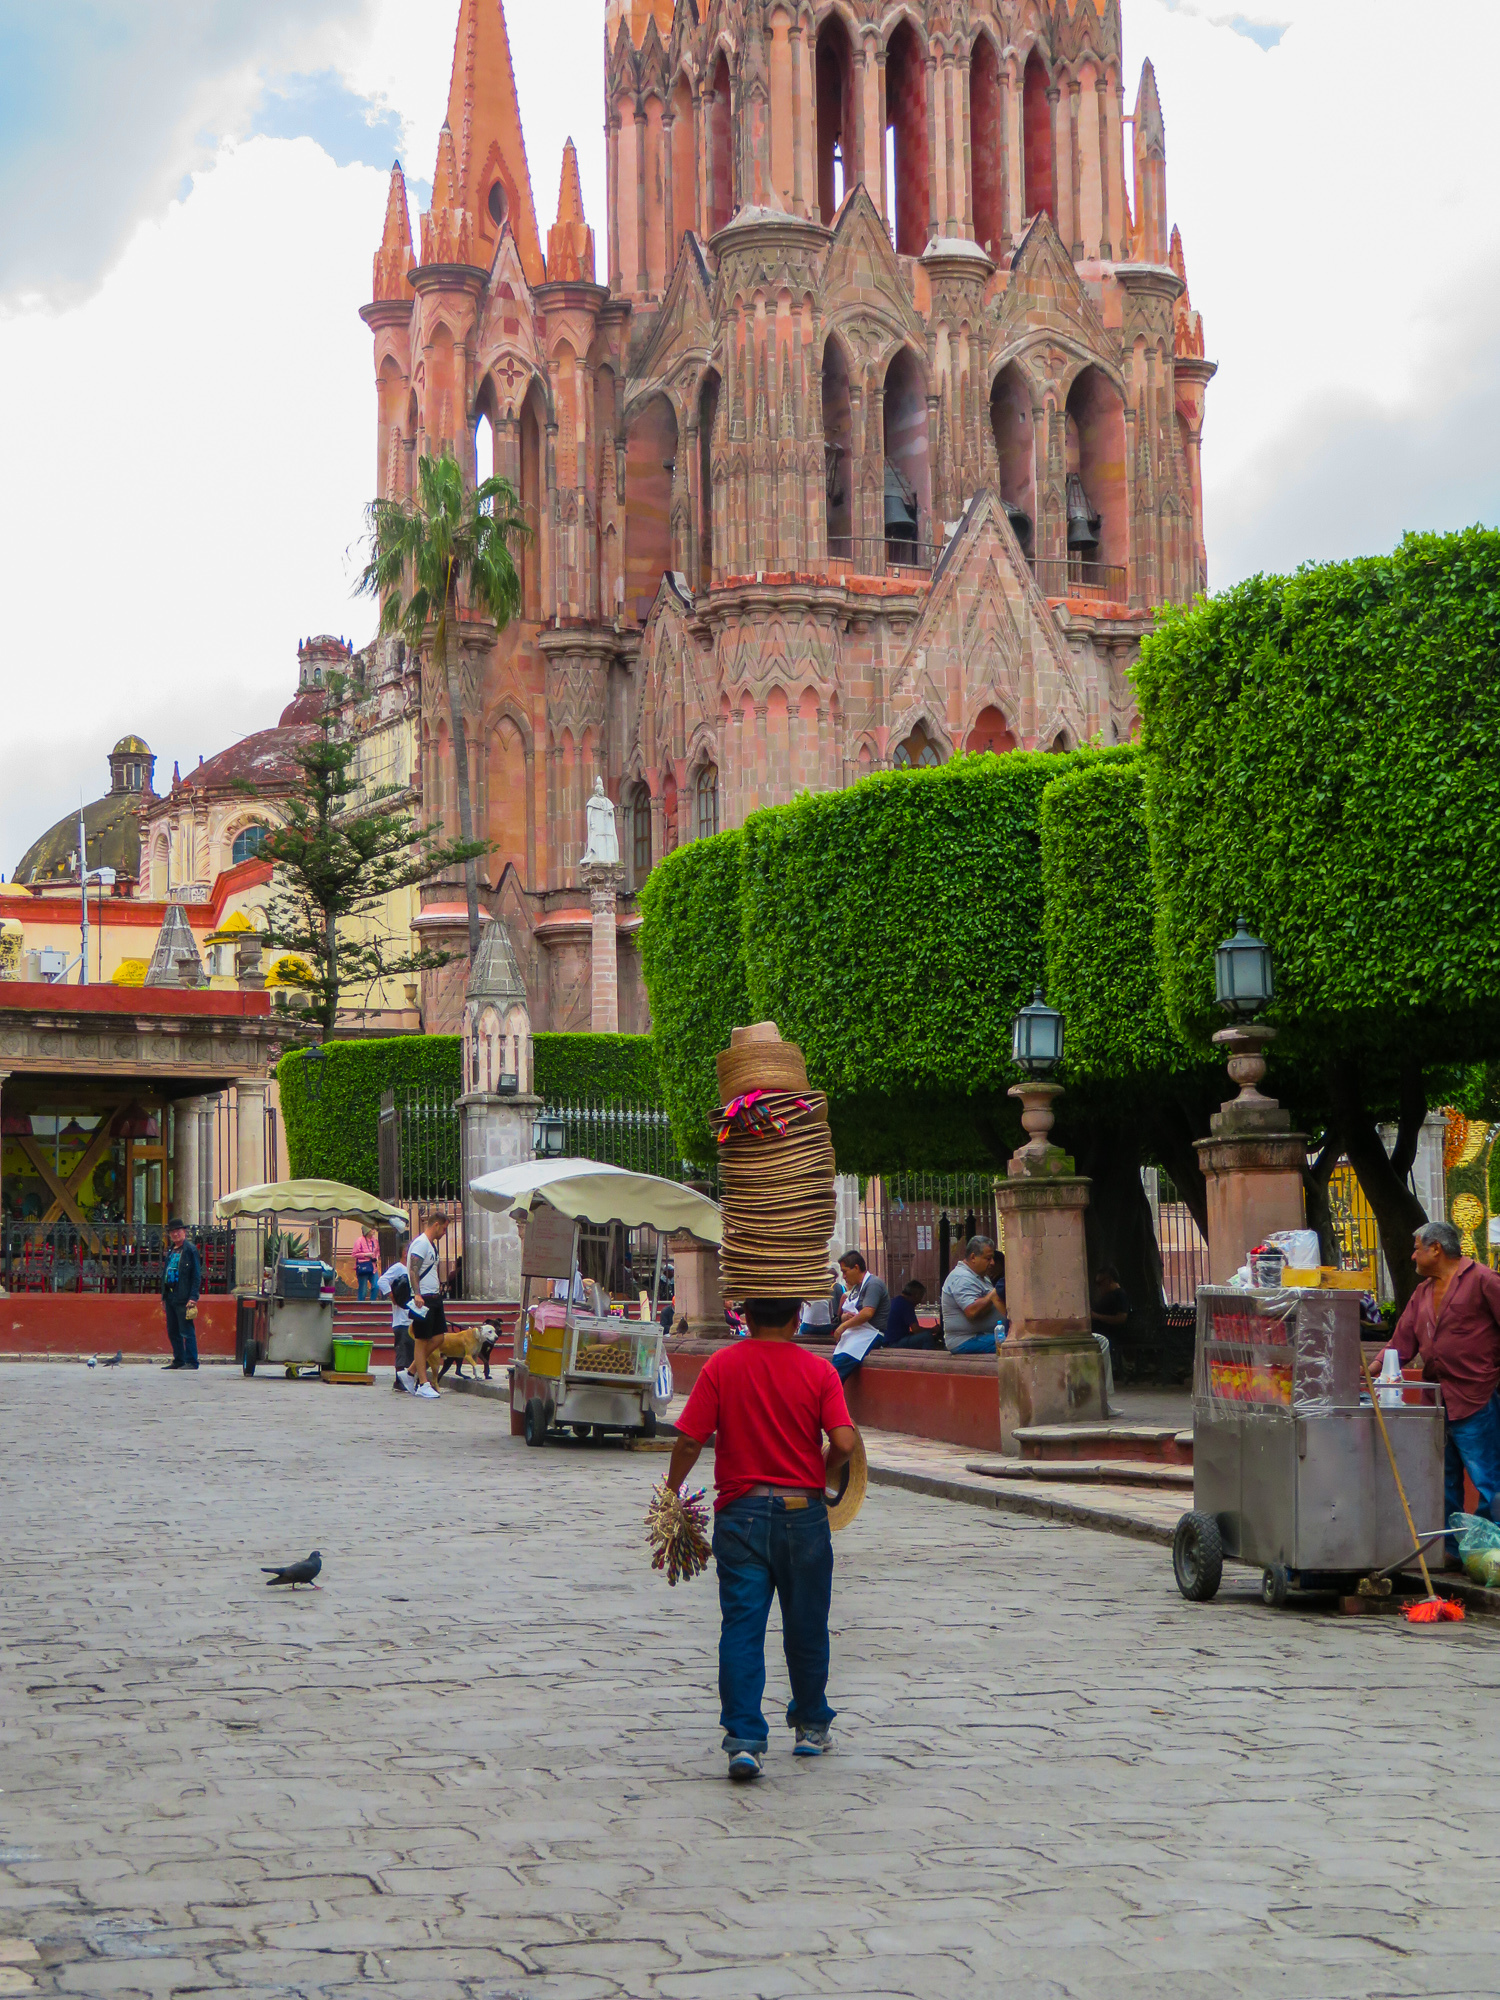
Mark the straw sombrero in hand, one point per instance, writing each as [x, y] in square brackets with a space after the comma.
[853, 1479]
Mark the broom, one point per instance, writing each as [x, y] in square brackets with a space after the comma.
[1432, 1610]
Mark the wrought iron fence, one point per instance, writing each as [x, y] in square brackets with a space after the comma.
[636, 1136]
[1063, 576]
[104, 1257]
[916, 1225]
[879, 555]
[1184, 1254]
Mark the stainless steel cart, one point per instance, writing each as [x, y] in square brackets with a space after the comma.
[299, 1328]
[1289, 1469]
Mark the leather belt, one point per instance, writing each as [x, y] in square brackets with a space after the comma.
[789, 1496]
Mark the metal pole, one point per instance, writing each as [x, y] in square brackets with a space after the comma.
[83, 884]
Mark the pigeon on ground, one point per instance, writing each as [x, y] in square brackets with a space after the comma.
[294, 1573]
[114, 1360]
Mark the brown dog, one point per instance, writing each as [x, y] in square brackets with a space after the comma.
[455, 1348]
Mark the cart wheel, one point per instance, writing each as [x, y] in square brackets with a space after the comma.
[583, 1432]
[1273, 1586]
[648, 1423]
[291, 1374]
[1198, 1557]
[536, 1420]
[248, 1364]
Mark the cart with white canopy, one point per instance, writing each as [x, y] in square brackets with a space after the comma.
[293, 1325]
[593, 1369]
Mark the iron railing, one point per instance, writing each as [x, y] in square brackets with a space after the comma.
[879, 555]
[1064, 576]
[1184, 1254]
[105, 1257]
[916, 1225]
[637, 1136]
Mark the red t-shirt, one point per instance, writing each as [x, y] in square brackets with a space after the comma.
[770, 1402]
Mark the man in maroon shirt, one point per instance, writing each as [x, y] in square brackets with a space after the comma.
[1453, 1321]
[770, 1402]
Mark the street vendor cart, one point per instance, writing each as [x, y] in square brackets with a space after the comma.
[1290, 1472]
[576, 1364]
[290, 1320]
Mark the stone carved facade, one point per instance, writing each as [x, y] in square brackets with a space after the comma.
[880, 442]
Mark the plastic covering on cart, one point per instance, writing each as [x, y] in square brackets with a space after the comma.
[1270, 1354]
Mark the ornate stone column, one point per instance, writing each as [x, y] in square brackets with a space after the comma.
[1050, 1367]
[250, 1171]
[794, 40]
[603, 880]
[185, 1175]
[1252, 1161]
[1075, 151]
[642, 278]
[696, 1289]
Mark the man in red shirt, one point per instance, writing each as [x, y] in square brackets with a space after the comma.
[770, 1402]
[1453, 1321]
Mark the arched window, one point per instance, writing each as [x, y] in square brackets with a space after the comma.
[984, 133]
[991, 731]
[906, 118]
[640, 833]
[834, 69]
[247, 844]
[1036, 131]
[720, 143]
[708, 801]
[918, 752]
[1015, 447]
[908, 483]
[838, 458]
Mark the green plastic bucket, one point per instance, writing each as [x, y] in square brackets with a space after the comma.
[351, 1357]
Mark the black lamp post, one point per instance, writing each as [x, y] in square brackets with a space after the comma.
[1036, 1037]
[1244, 985]
[1036, 1046]
[549, 1137]
[1244, 982]
[317, 1056]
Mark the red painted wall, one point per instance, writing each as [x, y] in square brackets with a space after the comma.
[88, 1323]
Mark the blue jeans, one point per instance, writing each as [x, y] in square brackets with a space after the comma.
[846, 1365]
[182, 1333]
[1473, 1446]
[980, 1343]
[763, 1548]
[365, 1273]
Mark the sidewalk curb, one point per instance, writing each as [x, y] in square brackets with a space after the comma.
[1067, 1512]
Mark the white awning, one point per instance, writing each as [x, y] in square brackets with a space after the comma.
[591, 1191]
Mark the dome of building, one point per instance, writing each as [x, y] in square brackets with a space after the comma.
[111, 825]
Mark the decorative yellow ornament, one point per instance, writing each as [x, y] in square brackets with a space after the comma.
[1467, 1214]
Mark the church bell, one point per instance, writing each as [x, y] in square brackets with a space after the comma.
[1083, 522]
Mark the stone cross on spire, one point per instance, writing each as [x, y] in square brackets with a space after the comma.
[570, 241]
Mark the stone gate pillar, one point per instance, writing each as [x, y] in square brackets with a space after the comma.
[1252, 1161]
[496, 1133]
[1050, 1367]
[250, 1171]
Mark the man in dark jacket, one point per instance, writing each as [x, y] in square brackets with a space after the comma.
[181, 1282]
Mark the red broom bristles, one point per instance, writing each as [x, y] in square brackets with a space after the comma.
[1435, 1611]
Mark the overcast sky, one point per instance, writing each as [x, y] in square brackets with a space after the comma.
[192, 191]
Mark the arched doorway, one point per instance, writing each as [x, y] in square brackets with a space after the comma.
[908, 477]
[834, 72]
[1036, 132]
[650, 457]
[991, 732]
[1098, 525]
[906, 119]
[917, 752]
[1015, 447]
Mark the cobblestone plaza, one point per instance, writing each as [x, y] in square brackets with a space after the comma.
[483, 1759]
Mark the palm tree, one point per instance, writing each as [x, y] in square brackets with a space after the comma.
[441, 542]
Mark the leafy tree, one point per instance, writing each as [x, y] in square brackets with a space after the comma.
[341, 852]
[443, 546]
[1320, 756]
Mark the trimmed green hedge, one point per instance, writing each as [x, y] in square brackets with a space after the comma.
[1098, 927]
[694, 969]
[338, 1137]
[1320, 754]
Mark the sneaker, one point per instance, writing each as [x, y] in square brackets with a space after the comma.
[812, 1742]
[426, 1389]
[744, 1765]
[404, 1380]
[174, 1364]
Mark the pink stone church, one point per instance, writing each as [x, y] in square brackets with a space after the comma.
[870, 435]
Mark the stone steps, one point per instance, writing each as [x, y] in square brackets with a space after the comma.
[1152, 1444]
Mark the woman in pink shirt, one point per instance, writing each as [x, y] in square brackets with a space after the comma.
[366, 1263]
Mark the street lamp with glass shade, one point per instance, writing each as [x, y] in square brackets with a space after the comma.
[1244, 986]
[1036, 1046]
[549, 1137]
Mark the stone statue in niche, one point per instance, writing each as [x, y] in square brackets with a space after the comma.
[603, 843]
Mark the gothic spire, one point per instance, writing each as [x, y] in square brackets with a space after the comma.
[393, 258]
[484, 115]
[570, 241]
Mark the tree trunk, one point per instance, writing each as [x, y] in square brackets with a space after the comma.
[1118, 1230]
[331, 981]
[1315, 1177]
[461, 773]
[1383, 1176]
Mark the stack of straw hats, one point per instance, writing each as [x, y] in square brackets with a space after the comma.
[776, 1186]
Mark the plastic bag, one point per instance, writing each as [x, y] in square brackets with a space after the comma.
[1484, 1566]
[1474, 1533]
